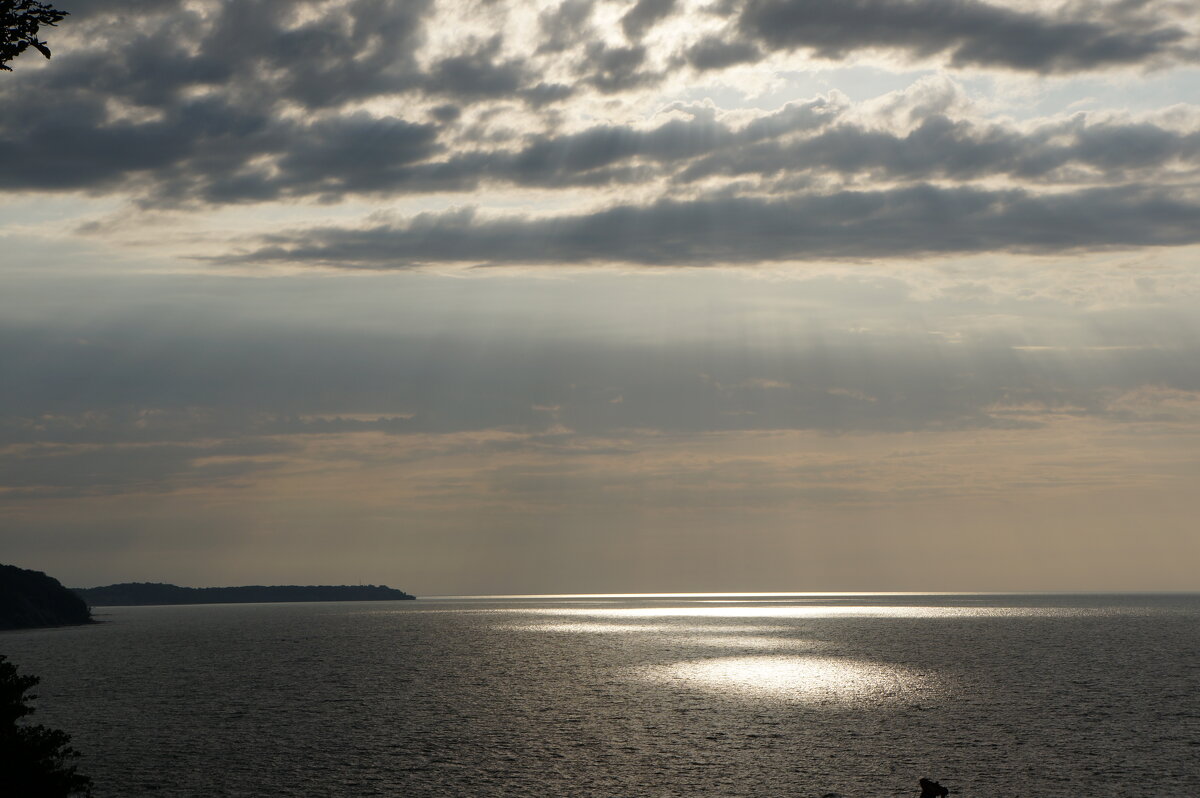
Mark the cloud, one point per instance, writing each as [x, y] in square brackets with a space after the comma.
[207, 150]
[565, 26]
[439, 356]
[968, 33]
[644, 15]
[254, 101]
[258, 51]
[191, 384]
[911, 221]
[183, 101]
[57, 470]
[212, 150]
[717, 52]
[353, 153]
[1077, 150]
[615, 69]
[481, 72]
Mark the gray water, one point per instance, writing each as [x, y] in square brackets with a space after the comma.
[993, 696]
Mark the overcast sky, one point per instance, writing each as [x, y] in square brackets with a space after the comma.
[604, 296]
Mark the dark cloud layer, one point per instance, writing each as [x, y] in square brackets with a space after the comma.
[969, 33]
[716, 52]
[904, 222]
[1072, 151]
[152, 384]
[258, 50]
[169, 369]
[644, 15]
[155, 402]
[207, 150]
[253, 100]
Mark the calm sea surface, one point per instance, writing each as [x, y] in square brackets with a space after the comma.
[993, 696]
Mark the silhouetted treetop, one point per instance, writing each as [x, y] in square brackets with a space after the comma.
[35, 761]
[19, 24]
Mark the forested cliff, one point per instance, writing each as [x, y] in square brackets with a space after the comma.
[31, 598]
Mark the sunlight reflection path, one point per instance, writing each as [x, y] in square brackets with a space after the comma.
[807, 679]
[714, 645]
[639, 628]
[712, 648]
[773, 612]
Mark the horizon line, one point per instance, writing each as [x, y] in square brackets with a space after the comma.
[812, 594]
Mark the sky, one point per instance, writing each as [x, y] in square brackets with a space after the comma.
[511, 296]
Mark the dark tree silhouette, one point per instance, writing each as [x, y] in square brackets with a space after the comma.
[35, 761]
[19, 24]
[31, 598]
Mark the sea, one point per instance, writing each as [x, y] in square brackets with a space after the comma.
[859, 696]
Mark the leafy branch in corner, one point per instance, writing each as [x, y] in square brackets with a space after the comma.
[19, 24]
[35, 761]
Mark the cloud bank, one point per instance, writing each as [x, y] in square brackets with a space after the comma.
[206, 105]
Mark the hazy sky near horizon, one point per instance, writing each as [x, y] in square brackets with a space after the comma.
[599, 296]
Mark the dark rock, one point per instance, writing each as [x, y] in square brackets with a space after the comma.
[931, 789]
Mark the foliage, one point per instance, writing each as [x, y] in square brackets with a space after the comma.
[35, 761]
[19, 24]
[31, 598]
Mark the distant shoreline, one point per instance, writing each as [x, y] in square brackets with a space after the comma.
[140, 594]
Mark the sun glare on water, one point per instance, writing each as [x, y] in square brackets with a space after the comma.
[807, 679]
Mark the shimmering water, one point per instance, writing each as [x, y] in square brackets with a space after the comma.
[993, 696]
